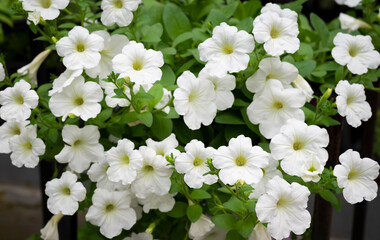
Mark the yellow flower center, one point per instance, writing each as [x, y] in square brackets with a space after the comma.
[197, 161]
[19, 99]
[16, 131]
[281, 203]
[81, 47]
[110, 207]
[137, 65]
[45, 3]
[78, 101]
[125, 159]
[353, 51]
[278, 105]
[118, 3]
[66, 191]
[148, 169]
[352, 174]
[192, 97]
[297, 146]
[77, 143]
[227, 49]
[28, 146]
[312, 169]
[275, 33]
[240, 161]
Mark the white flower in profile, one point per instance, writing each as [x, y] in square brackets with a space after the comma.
[227, 50]
[111, 211]
[274, 107]
[111, 101]
[64, 80]
[98, 173]
[283, 207]
[193, 163]
[295, 142]
[154, 176]
[8, 130]
[79, 98]
[351, 103]
[118, 11]
[240, 161]
[195, 100]
[31, 69]
[214, 234]
[165, 147]
[356, 176]
[350, 3]
[271, 68]
[268, 173]
[64, 194]
[260, 232]
[34, 17]
[303, 85]
[26, 148]
[223, 87]
[351, 23]
[140, 236]
[50, 231]
[112, 46]
[2, 72]
[164, 101]
[124, 162]
[311, 169]
[357, 52]
[140, 65]
[201, 227]
[164, 203]
[17, 101]
[80, 49]
[278, 30]
[49, 9]
[82, 147]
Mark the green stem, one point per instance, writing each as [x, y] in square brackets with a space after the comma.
[45, 35]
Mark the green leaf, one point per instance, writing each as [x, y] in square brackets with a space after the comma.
[146, 118]
[251, 205]
[68, 25]
[248, 9]
[42, 90]
[245, 227]
[245, 24]
[182, 38]
[53, 134]
[153, 33]
[175, 21]
[321, 28]
[168, 76]
[305, 67]
[194, 212]
[200, 194]
[216, 17]
[234, 235]
[224, 221]
[161, 127]
[179, 210]
[105, 114]
[228, 118]
[328, 121]
[331, 198]
[129, 117]
[157, 92]
[234, 205]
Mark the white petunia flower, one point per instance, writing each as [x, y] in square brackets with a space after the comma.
[227, 50]
[31, 69]
[193, 163]
[357, 52]
[140, 65]
[271, 68]
[34, 17]
[351, 103]
[214, 234]
[26, 148]
[111, 211]
[201, 227]
[303, 85]
[286, 12]
[17, 101]
[356, 176]
[80, 49]
[260, 232]
[64, 80]
[165, 147]
[278, 30]
[164, 101]
[124, 162]
[64, 194]
[140, 236]
[274, 106]
[195, 100]
[163, 203]
[111, 101]
[49, 9]
[83, 147]
[112, 46]
[351, 23]
[2, 72]
[283, 207]
[118, 11]
[8, 130]
[311, 169]
[50, 231]
[79, 98]
[294, 144]
[98, 173]
[154, 176]
[240, 161]
[223, 87]
[350, 3]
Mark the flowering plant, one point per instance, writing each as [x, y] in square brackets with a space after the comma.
[192, 119]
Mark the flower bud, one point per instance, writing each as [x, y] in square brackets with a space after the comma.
[50, 231]
[31, 69]
[303, 85]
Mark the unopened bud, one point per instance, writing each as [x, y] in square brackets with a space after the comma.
[71, 115]
[240, 183]
[326, 95]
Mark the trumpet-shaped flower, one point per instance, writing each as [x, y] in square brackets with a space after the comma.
[260, 232]
[118, 11]
[83, 147]
[112, 46]
[295, 142]
[357, 52]
[26, 148]
[240, 161]
[140, 65]
[49, 9]
[31, 69]
[79, 98]
[17, 101]
[50, 231]
[64, 194]
[80, 49]
[111, 101]
[274, 106]
[283, 207]
[98, 173]
[351, 23]
[311, 169]
[303, 85]
[271, 68]
[111, 211]
[165, 147]
[164, 203]
[195, 100]
[124, 162]
[351, 103]
[64, 80]
[227, 50]
[356, 176]
[193, 163]
[350, 3]
[8, 130]
[201, 227]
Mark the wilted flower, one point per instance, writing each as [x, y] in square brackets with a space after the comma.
[50, 231]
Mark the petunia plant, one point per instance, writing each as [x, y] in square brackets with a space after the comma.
[192, 119]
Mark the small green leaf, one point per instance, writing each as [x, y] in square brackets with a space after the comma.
[105, 114]
[224, 221]
[200, 194]
[146, 118]
[194, 212]
[175, 21]
[321, 28]
[161, 127]
[182, 38]
[228, 118]
[234, 235]
[305, 67]
[245, 227]
[153, 33]
[234, 205]
[179, 210]
[331, 198]
[168, 76]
